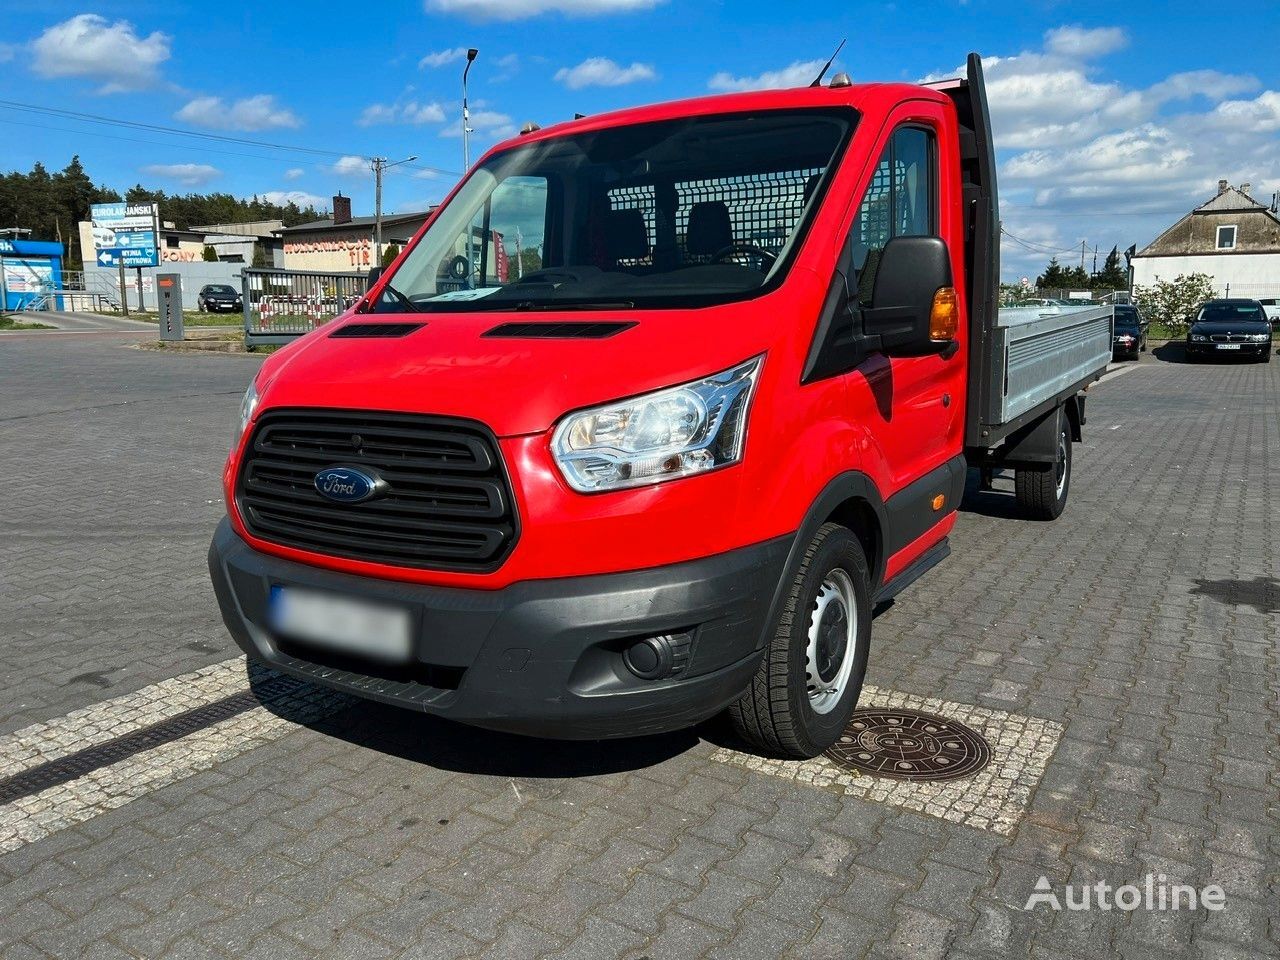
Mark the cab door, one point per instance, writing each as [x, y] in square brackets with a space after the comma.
[918, 401]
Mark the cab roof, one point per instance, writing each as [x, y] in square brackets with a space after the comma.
[867, 98]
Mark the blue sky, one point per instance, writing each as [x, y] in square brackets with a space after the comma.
[1112, 122]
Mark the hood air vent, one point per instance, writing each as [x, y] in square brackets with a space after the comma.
[375, 331]
[596, 330]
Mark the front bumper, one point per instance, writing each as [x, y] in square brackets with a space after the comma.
[539, 657]
[1227, 350]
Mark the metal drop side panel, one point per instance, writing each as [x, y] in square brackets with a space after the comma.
[1038, 357]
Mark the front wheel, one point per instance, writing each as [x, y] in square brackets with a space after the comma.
[1042, 494]
[800, 700]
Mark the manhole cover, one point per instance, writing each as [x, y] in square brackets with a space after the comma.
[908, 745]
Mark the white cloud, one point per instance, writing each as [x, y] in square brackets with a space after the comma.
[412, 112]
[1084, 158]
[441, 57]
[294, 173]
[1085, 43]
[800, 73]
[90, 46]
[259, 112]
[187, 174]
[603, 72]
[300, 197]
[524, 9]
[486, 124]
[351, 166]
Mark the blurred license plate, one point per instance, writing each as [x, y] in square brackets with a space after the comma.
[1228, 346]
[341, 623]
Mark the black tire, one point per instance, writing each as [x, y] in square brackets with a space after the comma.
[777, 713]
[1042, 494]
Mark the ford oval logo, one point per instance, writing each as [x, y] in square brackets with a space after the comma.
[348, 484]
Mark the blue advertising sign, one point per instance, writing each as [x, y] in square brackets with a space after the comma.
[124, 234]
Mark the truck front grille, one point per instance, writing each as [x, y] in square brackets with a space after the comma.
[447, 503]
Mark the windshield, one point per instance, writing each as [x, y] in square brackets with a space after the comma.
[221, 288]
[1241, 312]
[1126, 317]
[688, 212]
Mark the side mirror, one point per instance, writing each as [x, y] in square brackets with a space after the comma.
[374, 274]
[913, 310]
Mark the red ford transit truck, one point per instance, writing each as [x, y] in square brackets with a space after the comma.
[649, 416]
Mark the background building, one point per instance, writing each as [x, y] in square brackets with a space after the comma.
[28, 268]
[342, 243]
[1231, 237]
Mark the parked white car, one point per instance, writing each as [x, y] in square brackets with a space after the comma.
[1271, 307]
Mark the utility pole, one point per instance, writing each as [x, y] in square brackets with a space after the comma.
[466, 115]
[1084, 246]
[1095, 259]
[379, 164]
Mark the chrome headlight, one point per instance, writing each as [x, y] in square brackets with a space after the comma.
[1259, 337]
[1199, 337]
[663, 435]
[247, 406]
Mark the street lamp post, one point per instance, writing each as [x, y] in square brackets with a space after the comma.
[379, 164]
[466, 116]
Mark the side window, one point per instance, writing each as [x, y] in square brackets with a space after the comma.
[900, 201]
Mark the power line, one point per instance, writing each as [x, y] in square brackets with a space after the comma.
[194, 134]
[1037, 247]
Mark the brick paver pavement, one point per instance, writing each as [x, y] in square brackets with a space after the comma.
[1143, 624]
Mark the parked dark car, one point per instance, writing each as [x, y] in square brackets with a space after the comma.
[1230, 328]
[217, 297]
[1129, 338]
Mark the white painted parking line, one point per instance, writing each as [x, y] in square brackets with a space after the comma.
[995, 798]
[32, 816]
[92, 725]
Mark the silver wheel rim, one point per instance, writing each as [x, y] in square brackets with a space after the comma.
[832, 642]
[1060, 468]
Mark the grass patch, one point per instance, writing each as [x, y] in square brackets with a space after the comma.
[195, 318]
[9, 323]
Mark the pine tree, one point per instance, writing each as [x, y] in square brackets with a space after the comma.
[1054, 277]
[1112, 276]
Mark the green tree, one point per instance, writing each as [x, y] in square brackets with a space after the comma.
[1173, 303]
[1112, 276]
[1078, 278]
[389, 253]
[1054, 277]
[210, 254]
[259, 256]
[530, 260]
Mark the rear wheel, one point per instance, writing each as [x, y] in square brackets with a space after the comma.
[807, 686]
[1042, 494]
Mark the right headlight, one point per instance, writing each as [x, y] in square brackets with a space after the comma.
[1199, 337]
[665, 435]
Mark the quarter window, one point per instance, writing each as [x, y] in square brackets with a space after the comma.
[1227, 238]
[900, 201]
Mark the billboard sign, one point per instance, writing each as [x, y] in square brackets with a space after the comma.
[125, 234]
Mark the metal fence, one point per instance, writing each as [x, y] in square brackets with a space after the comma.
[282, 305]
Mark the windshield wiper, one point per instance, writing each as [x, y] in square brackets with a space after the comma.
[552, 305]
[404, 301]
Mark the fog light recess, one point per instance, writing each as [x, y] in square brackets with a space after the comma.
[658, 658]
